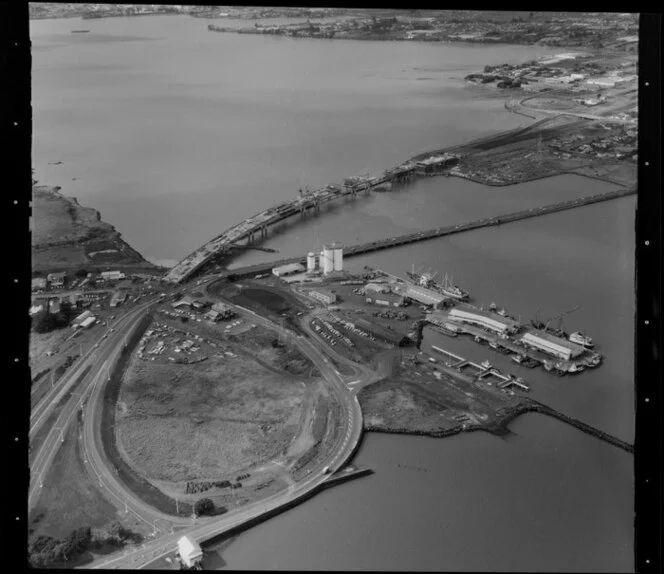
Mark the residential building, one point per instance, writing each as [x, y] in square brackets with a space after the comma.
[57, 279]
[38, 283]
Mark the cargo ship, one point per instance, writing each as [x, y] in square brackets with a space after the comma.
[447, 287]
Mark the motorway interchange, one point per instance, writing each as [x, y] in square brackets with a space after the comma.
[81, 389]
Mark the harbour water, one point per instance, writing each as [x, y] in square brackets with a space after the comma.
[175, 133]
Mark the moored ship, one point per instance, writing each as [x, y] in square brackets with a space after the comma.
[447, 287]
[580, 339]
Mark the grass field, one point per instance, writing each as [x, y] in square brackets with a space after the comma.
[70, 498]
[205, 421]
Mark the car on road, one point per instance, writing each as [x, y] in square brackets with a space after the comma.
[111, 330]
[96, 345]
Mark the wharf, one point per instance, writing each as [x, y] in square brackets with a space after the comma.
[512, 346]
[400, 240]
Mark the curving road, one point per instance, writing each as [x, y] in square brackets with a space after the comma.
[96, 361]
[203, 529]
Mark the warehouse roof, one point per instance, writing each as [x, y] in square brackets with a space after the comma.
[552, 339]
[290, 268]
[376, 329]
[482, 314]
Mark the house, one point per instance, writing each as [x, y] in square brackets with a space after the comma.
[38, 283]
[57, 279]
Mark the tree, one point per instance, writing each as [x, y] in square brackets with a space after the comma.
[81, 273]
[79, 540]
[204, 506]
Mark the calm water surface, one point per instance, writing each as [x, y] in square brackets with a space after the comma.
[176, 133]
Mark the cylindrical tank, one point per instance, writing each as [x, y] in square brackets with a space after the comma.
[328, 259]
[311, 261]
[338, 257]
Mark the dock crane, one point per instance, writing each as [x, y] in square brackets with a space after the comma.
[560, 331]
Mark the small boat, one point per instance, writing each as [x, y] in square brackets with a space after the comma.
[501, 312]
[493, 345]
[580, 339]
[548, 366]
[576, 368]
[518, 359]
[486, 364]
[80, 31]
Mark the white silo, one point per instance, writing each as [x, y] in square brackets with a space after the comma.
[311, 261]
[328, 259]
[338, 257]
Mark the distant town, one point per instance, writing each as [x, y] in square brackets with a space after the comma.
[576, 29]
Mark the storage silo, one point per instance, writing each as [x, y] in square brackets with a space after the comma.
[328, 259]
[311, 261]
[338, 257]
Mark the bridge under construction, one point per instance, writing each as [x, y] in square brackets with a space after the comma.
[257, 225]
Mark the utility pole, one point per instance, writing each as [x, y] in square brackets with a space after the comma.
[177, 507]
[126, 509]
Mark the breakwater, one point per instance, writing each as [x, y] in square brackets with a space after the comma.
[499, 427]
[397, 241]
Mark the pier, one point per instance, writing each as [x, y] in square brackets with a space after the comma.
[178, 273]
[481, 373]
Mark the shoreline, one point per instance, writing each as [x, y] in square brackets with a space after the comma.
[500, 426]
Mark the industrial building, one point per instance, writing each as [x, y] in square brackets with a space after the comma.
[219, 312]
[484, 319]
[387, 299]
[290, 269]
[331, 258]
[88, 322]
[112, 275]
[377, 288]
[186, 301]
[57, 279]
[311, 261]
[420, 294]
[384, 334]
[38, 283]
[190, 553]
[118, 298]
[323, 295]
[82, 317]
[556, 346]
